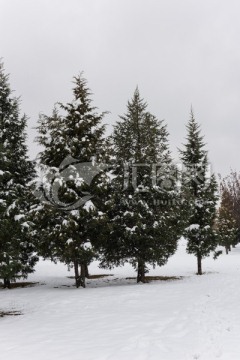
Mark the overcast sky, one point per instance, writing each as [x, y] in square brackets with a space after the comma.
[179, 52]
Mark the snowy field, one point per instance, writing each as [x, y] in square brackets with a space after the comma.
[196, 317]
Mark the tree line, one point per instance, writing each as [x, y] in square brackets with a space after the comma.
[118, 198]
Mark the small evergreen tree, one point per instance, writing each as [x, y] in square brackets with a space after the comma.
[144, 214]
[230, 187]
[17, 257]
[202, 195]
[71, 137]
[226, 225]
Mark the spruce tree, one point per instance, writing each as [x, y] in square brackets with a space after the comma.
[72, 136]
[230, 191]
[226, 225]
[201, 187]
[17, 257]
[143, 218]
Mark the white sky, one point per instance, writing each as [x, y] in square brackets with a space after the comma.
[179, 52]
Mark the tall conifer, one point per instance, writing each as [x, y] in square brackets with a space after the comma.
[72, 138]
[201, 186]
[17, 257]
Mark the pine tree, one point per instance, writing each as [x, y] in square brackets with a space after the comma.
[71, 137]
[143, 220]
[230, 188]
[202, 195]
[226, 225]
[17, 257]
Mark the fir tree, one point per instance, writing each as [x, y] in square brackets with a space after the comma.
[72, 135]
[230, 189]
[17, 258]
[143, 221]
[226, 225]
[202, 195]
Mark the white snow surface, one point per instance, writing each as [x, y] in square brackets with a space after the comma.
[196, 317]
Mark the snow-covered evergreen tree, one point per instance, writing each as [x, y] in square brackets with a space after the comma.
[143, 218]
[17, 257]
[72, 138]
[201, 187]
[226, 225]
[230, 187]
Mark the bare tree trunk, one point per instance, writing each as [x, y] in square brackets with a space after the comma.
[83, 275]
[77, 277]
[199, 264]
[6, 283]
[86, 271]
[141, 271]
[226, 248]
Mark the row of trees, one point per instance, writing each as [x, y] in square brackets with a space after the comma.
[118, 199]
[228, 221]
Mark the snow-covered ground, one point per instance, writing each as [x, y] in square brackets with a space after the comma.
[197, 317]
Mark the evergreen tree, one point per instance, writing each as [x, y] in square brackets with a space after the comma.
[72, 138]
[143, 220]
[230, 188]
[202, 195]
[226, 225]
[17, 257]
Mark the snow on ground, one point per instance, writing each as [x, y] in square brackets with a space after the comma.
[197, 317]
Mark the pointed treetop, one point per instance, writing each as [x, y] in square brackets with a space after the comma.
[81, 91]
[193, 152]
[76, 130]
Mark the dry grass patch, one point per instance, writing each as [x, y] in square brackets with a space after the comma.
[21, 284]
[10, 313]
[98, 276]
[157, 278]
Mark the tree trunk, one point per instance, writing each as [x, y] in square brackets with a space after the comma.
[199, 264]
[77, 278]
[226, 248]
[86, 271]
[83, 275]
[6, 283]
[141, 271]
